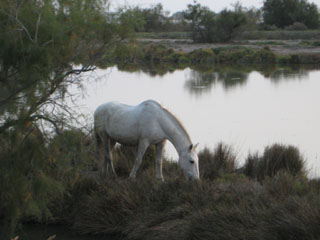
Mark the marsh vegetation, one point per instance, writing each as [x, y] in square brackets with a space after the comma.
[268, 197]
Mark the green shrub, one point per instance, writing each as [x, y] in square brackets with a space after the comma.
[156, 53]
[297, 26]
[241, 55]
[265, 56]
[178, 58]
[311, 58]
[316, 44]
[27, 185]
[202, 56]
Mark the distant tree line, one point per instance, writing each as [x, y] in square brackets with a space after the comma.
[208, 26]
[154, 19]
[284, 13]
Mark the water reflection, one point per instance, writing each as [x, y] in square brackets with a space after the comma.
[198, 82]
[201, 78]
[285, 74]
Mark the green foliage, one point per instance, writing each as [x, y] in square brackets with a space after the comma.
[43, 44]
[202, 56]
[202, 20]
[163, 35]
[296, 26]
[227, 24]
[156, 53]
[235, 55]
[158, 58]
[277, 34]
[131, 19]
[70, 152]
[282, 13]
[265, 56]
[178, 58]
[25, 182]
[153, 19]
[210, 27]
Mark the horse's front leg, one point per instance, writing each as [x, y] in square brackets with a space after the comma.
[142, 147]
[159, 150]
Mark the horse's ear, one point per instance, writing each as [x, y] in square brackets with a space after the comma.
[190, 147]
[195, 146]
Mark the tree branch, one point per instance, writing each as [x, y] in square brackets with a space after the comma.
[37, 28]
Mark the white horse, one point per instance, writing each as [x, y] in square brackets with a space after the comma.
[142, 125]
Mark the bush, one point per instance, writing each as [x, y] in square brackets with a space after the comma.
[265, 56]
[214, 164]
[276, 158]
[178, 58]
[241, 55]
[27, 185]
[156, 53]
[297, 26]
[202, 56]
[312, 58]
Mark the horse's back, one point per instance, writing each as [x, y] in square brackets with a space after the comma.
[104, 113]
[126, 123]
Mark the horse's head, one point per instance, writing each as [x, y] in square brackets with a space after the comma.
[189, 162]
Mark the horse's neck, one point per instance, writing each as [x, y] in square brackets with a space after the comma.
[175, 132]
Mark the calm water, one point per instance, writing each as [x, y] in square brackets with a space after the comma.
[246, 109]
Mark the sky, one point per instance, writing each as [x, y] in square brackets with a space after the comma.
[180, 5]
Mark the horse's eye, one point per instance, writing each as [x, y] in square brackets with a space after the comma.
[191, 161]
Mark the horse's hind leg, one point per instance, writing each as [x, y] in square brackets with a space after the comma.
[159, 150]
[111, 146]
[108, 146]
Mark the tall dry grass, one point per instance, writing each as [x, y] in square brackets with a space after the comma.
[225, 204]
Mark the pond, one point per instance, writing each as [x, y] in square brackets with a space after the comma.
[247, 109]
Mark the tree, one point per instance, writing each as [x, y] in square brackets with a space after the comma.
[228, 24]
[45, 46]
[282, 13]
[210, 27]
[132, 19]
[202, 21]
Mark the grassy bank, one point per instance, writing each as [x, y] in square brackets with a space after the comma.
[246, 35]
[147, 54]
[279, 35]
[267, 198]
[163, 35]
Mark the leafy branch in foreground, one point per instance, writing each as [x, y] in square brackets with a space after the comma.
[45, 47]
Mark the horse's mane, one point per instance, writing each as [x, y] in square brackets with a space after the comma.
[176, 120]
